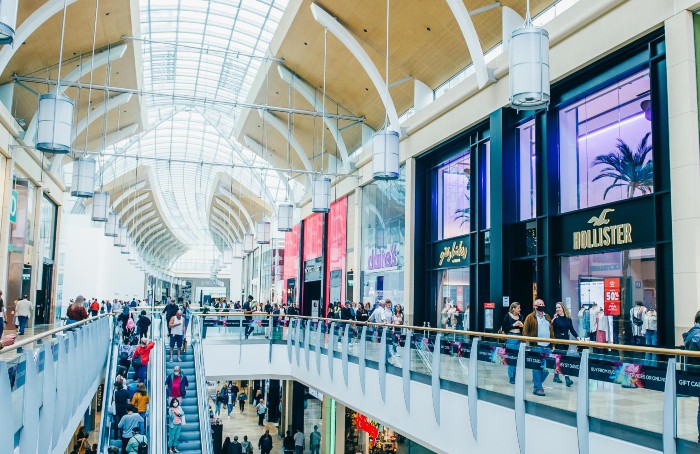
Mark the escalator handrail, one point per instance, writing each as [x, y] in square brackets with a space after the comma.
[158, 441]
[107, 395]
[202, 397]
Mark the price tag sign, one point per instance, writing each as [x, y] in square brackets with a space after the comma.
[611, 297]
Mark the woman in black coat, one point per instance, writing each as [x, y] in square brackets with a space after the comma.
[562, 326]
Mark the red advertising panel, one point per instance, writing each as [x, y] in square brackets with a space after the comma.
[313, 236]
[337, 246]
[291, 262]
[611, 295]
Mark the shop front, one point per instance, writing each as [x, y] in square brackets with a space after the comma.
[313, 242]
[290, 273]
[337, 252]
[366, 436]
[383, 239]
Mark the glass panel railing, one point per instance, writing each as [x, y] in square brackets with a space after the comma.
[496, 366]
[546, 382]
[454, 358]
[688, 393]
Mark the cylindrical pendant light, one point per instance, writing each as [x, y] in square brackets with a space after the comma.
[529, 67]
[263, 232]
[285, 217]
[385, 155]
[321, 196]
[83, 177]
[112, 225]
[125, 250]
[237, 250]
[120, 239]
[100, 206]
[8, 20]
[55, 124]
[248, 243]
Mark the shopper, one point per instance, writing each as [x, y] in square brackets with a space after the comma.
[226, 447]
[139, 361]
[170, 310]
[218, 401]
[235, 447]
[248, 319]
[247, 446]
[562, 326]
[94, 308]
[23, 311]
[140, 402]
[288, 443]
[512, 325]
[121, 401]
[539, 324]
[315, 441]
[261, 410]
[76, 311]
[128, 423]
[177, 333]
[138, 444]
[691, 341]
[176, 418]
[142, 324]
[265, 443]
[299, 441]
[176, 384]
[123, 321]
[242, 397]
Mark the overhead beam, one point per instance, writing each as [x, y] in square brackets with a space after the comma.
[233, 215]
[260, 151]
[240, 206]
[131, 204]
[222, 216]
[298, 149]
[100, 109]
[126, 193]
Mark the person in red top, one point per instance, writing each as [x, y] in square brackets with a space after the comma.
[143, 351]
[76, 311]
[176, 385]
[94, 308]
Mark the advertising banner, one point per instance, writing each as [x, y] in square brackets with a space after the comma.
[612, 296]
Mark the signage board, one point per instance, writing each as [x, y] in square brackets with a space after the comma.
[611, 301]
[506, 301]
[379, 259]
[14, 203]
[452, 253]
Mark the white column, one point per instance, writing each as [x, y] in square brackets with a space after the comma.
[409, 237]
[357, 237]
[685, 168]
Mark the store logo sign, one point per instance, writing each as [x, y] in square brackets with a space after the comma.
[380, 258]
[452, 255]
[602, 234]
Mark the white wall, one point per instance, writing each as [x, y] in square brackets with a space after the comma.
[93, 267]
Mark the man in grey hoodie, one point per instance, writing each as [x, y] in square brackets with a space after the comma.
[691, 340]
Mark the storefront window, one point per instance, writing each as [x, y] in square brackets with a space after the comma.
[48, 227]
[525, 172]
[605, 145]
[453, 298]
[383, 230]
[612, 296]
[454, 197]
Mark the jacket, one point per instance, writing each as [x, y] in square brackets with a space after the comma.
[24, 308]
[183, 384]
[144, 352]
[235, 448]
[143, 322]
[530, 326]
[265, 442]
[691, 341]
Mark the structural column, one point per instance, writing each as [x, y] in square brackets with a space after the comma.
[681, 40]
[410, 234]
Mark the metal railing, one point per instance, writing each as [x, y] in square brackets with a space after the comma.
[200, 377]
[108, 392]
[665, 382]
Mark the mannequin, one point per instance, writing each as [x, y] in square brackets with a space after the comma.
[602, 328]
[584, 320]
[637, 320]
[649, 331]
[595, 320]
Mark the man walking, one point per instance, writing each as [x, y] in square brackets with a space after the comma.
[315, 441]
[691, 341]
[248, 312]
[265, 443]
[299, 441]
[539, 324]
[23, 310]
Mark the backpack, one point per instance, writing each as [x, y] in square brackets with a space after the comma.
[143, 446]
[136, 361]
[130, 324]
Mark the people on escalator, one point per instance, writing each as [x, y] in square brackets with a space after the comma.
[288, 443]
[142, 325]
[170, 310]
[248, 319]
[140, 358]
[176, 384]
[124, 319]
[513, 325]
[128, 424]
[265, 442]
[242, 397]
[140, 402]
[121, 401]
[177, 333]
[76, 311]
[247, 446]
[235, 447]
[176, 418]
[138, 444]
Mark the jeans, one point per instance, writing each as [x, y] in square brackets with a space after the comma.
[141, 374]
[540, 375]
[261, 419]
[142, 425]
[218, 408]
[174, 435]
[512, 344]
[650, 340]
[315, 449]
[249, 328]
[2, 326]
[298, 450]
[22, 323]
[241, 405]
[229, 407]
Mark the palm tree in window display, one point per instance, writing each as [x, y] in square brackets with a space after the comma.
[465, 213]
[630, 171]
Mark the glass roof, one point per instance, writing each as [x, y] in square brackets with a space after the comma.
[199, 57]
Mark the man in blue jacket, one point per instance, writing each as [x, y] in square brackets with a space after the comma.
[691, 340]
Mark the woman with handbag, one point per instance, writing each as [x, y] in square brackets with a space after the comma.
[176, 418]
[513, 325]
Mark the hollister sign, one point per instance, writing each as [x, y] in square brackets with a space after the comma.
[602, 234]
[452, 253]
[379, 258]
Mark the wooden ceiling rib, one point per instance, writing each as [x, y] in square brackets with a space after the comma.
[425, 43]
[38, 57]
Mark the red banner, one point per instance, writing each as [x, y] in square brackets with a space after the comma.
[612, 296]
[313, 236]
[337, 246]
[366, 426]
[291, 261]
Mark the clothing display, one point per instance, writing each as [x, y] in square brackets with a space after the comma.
[637, 320]
[595, 314]
[603, 333]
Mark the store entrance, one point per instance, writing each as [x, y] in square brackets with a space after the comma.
[43, 296]
[523, 283]
[311, 306]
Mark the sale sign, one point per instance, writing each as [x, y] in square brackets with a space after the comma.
[611, 296]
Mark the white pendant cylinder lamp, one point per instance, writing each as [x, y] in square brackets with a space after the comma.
[120, 239]
[112, 225]
[321, 195]
[8, 20]
[385, 155]
[285, 217]
[529, 67]
[100, 206]
[237, 252]
[83, 177]
[248, 243]
[263, 232]
[55, 124]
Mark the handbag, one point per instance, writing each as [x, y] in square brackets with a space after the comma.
[136, 362]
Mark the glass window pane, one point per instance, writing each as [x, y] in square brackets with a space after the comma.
[525, 171]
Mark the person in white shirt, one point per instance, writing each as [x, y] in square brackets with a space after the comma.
[177, 333]
[385, 315]
[299, 442]
[23, 310]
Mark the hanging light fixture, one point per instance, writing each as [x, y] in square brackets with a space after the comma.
[237, 252]
[112, 225]
[285, 215]
[8, 20]
[321, 195]
[248, 243]
[385, 143]
[100, 206]
[55, 114]
[120, 239]
[83, 177]
[263, 232]
[529, 66]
